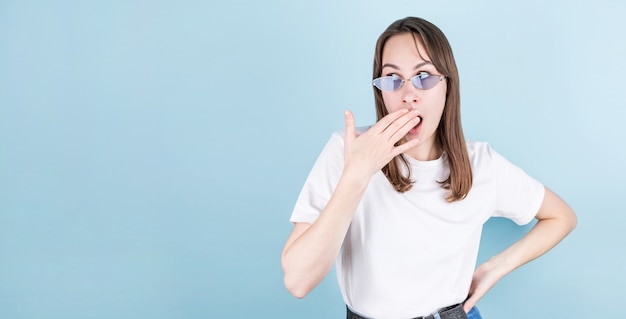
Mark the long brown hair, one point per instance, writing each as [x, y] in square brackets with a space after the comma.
[449, 132]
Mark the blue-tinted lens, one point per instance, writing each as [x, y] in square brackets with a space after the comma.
[425, 81]
[388, 83]
[422, 81]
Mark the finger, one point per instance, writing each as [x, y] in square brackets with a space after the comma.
[388, 119]
[402, 126]
[402, 148]
[399, 122]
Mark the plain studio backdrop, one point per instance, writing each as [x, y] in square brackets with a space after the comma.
[151, 151]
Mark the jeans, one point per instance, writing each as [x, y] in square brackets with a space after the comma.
[474, 313]
[450, 312]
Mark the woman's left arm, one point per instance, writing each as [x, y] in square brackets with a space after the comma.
[555, 220]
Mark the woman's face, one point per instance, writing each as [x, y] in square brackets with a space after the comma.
[405, 56]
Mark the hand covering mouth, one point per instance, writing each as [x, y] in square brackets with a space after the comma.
[415, 128]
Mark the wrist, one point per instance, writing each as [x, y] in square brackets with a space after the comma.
[355, 179]
[498, 265]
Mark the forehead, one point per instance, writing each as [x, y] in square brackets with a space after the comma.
[404, 48]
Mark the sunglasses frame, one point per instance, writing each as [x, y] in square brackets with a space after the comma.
[441, 77]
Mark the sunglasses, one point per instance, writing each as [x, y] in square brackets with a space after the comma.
[422, 81]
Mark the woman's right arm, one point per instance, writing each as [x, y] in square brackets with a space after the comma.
[311, 249]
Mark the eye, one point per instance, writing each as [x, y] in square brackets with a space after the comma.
[423, 75]
[394, 76]
[424, 80]
[390, 82]
[397, 81]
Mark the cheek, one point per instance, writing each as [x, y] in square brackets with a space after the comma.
[392, 103]
[439, 102]
[436, 111]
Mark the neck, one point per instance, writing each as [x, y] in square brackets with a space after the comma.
[426, 152]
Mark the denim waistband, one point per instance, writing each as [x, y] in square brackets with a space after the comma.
[450, 312]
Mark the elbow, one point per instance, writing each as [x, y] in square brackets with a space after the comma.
[573, 220]
[297, 284]
[295, 287]
[292, 283]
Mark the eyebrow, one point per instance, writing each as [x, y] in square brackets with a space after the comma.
[393, 66]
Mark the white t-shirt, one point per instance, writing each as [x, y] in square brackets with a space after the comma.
[409, 254]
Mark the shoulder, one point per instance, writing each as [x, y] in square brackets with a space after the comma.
[482, 155]
[479, 150]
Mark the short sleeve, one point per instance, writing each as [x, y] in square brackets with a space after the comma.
[321, 181]
[518, 196]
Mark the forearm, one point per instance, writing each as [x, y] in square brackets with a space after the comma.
[307, 258]
[541, 238]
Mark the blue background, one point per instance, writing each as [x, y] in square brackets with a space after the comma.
[151, 151]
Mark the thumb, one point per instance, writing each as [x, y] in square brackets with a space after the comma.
[350, 132]
[469, 303]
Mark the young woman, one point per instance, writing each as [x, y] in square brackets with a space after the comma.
[399, 206]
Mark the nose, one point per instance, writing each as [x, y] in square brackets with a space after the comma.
[412, 99]
[410, 94]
